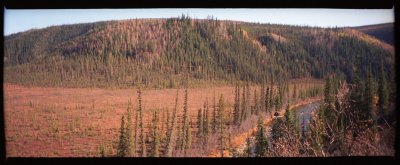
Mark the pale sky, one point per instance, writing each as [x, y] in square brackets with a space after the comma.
[22, 20]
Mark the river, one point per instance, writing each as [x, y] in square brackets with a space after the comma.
[303, 113]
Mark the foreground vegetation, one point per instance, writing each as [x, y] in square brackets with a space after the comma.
[351, 121]
[176, 134]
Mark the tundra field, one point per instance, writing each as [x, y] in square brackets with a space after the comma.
[73, 122]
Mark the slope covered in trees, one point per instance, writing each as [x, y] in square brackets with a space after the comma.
[384, 32]
[156, 53]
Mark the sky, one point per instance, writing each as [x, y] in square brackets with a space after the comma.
[22, 20]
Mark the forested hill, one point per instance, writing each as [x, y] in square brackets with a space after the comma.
[157, 52]
[384, 32]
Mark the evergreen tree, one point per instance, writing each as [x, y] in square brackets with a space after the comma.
[383, 93]
[262, 98]
[206, 124]
[289, 118]
[271, 98]
[247, 112]
[236, 111]
[155, 146]
[278, 128]
[255, 107]
[170, 132]
[179, 139]
[328, 111]
[369, 101]
[200, 123]
[247, 150]
[129, 135]
[221, 139]
[266, 101]
[188, 140]
[142, 151]
[261, 145]
[277, 103]
[214, 117]
[243, 104]
[185, 128]
[122, 146]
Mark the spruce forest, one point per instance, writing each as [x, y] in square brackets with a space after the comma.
[185, 87]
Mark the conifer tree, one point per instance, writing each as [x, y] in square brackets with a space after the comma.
[262, 98]
[199, 123]
[142, 151]
[266, 101]
[271, 98]
[247, 112]
[256, 106]
[261, 145]
[206, 124]
[277, 103]
[185, 127]
[170, 133]
[188, 140]
[214, 117]
[356, 104]
[122, 146]
[221, 139]
[247, 150]
[294, 91]
[290, 120]
[155, 146]
[179, 139]
[129, 135]
[383, 93]
[243, 104]
[278, 127]
[236, 111]
[369, 102]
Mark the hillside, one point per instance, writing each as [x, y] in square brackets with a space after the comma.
[156, 53]
[384, 32]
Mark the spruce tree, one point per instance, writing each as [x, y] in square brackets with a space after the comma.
[206, 124]
[214, 117]
[261, 145]
[383, 93]
[294, 91]
[278, 128]
[256, 106]
[369, 101]
[243, 104]
[142, 151]
[247, 112]
[188, 140]
[155, 143]
[199, 123]
[129, 135]
[170, 133]
[221, 139]
[179, 138]
[247, 150]
[122, 146]
[266, 101]
[262, 98]
[236, 111]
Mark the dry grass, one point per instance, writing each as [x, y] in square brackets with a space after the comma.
[73, 122]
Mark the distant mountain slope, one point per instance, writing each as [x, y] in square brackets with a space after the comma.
[158, 52]
[384, 32]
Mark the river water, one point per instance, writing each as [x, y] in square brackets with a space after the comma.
[303, 113]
